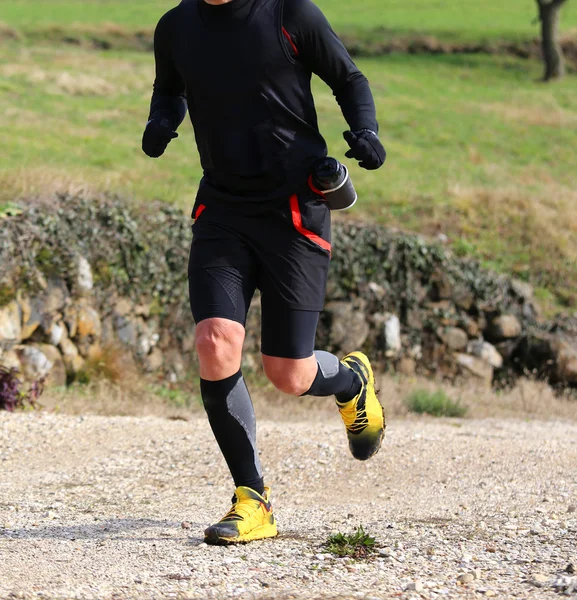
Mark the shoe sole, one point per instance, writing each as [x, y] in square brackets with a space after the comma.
[212, 537]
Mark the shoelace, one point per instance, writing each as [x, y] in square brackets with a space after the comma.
[354, 422]
[242, 509]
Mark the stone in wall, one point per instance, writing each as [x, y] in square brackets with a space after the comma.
[31, 317]
[34, 364]
[392, 335]
[127, 330]
[84, 281]
[70, 319]
[565, 361]
[406, 366]
[123, 307]
[441, 287]
[56, 375]
[345, 325]
[9, 359]
[10, 324]
[476, 368]
[55, 298]
[486, 352]
[88, 329]
[57, 333]
[154, 361]
[455, 338]
[505, 327]
[410, 304]
[73, 362]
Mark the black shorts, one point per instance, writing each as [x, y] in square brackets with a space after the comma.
[283, 251]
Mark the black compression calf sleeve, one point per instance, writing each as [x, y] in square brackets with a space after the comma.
[233, 422]
[334, 378]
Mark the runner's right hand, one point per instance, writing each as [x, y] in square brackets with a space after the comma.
[156, 137]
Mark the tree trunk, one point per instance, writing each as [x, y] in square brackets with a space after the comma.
[552, 52]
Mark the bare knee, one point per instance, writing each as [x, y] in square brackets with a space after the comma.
[291, 376]
[219, 347]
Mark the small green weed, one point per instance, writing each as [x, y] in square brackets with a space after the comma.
[9, 209]
[175, 396]
[437, 404]
[356, 545]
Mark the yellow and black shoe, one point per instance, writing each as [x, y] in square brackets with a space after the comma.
[363, 416]
[250, 518]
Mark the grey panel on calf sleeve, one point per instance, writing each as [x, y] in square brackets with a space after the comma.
[328, 363]
[334, 378]
[241, 409]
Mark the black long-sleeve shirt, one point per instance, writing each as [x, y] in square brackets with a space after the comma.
[244, 68]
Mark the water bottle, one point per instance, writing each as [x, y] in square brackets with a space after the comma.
[332, 178]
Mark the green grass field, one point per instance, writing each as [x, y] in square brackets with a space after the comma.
[459, 20]
[478, 150]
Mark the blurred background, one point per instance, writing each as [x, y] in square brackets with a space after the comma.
[480, 150]
[456, 272]
[479, 123]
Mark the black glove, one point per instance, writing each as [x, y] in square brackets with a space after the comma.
[366, 148]
[156, 137]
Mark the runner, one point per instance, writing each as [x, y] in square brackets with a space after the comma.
[242, 69]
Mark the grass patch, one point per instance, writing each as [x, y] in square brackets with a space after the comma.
[356, 545]
[477, 150]
[464, 20]
[177, 397]
[103, 397]
[9, 209]
[436, 404]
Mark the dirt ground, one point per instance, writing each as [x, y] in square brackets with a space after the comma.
[93, 506]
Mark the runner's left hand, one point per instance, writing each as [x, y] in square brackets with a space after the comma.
[366, 148]
[157, 135]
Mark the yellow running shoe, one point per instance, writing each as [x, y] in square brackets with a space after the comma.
[363, 416]
[250, 518]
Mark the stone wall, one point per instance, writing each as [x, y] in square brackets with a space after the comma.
[90, 274]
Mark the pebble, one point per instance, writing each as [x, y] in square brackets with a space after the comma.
[415, 586]
[436, 547]
[538, 579]
[572, 508]
[566, 584]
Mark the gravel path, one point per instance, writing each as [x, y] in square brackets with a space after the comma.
[91, 507]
